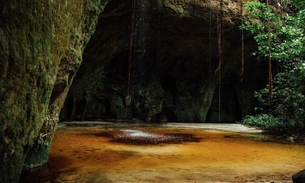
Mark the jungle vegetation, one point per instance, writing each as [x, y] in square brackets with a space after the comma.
[278, 28]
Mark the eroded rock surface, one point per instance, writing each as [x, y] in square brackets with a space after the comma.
[41, 44]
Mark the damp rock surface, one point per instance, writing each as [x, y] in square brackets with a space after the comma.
[299, 177]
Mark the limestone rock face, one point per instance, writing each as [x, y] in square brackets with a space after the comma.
[162, 57]
[41, 44]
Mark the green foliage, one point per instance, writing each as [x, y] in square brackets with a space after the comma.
[286, 32]
[274, 125]
[260, 25]
[287, 35]
[262, 121]
[298, 4]
[287, 110]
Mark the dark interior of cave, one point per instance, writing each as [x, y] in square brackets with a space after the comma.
[166, 65]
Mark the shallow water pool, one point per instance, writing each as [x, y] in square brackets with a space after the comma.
[93, 154]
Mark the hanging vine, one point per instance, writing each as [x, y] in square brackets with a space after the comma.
[131, 51]
[242, 41]
[220, 37]
[220, 51]
[210, 37]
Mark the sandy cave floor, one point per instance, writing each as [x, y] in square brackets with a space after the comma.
[217, 153]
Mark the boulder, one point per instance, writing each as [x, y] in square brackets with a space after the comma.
[299, 177]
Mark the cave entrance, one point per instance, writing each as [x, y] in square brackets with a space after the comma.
[137, 48]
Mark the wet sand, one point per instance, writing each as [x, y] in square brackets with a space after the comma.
[86, 154]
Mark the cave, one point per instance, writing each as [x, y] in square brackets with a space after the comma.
[117, 60]
[161, 58]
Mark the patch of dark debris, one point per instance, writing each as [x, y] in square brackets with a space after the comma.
[140, 137]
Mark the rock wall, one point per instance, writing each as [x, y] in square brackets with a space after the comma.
[41, 44]
[174, 70]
